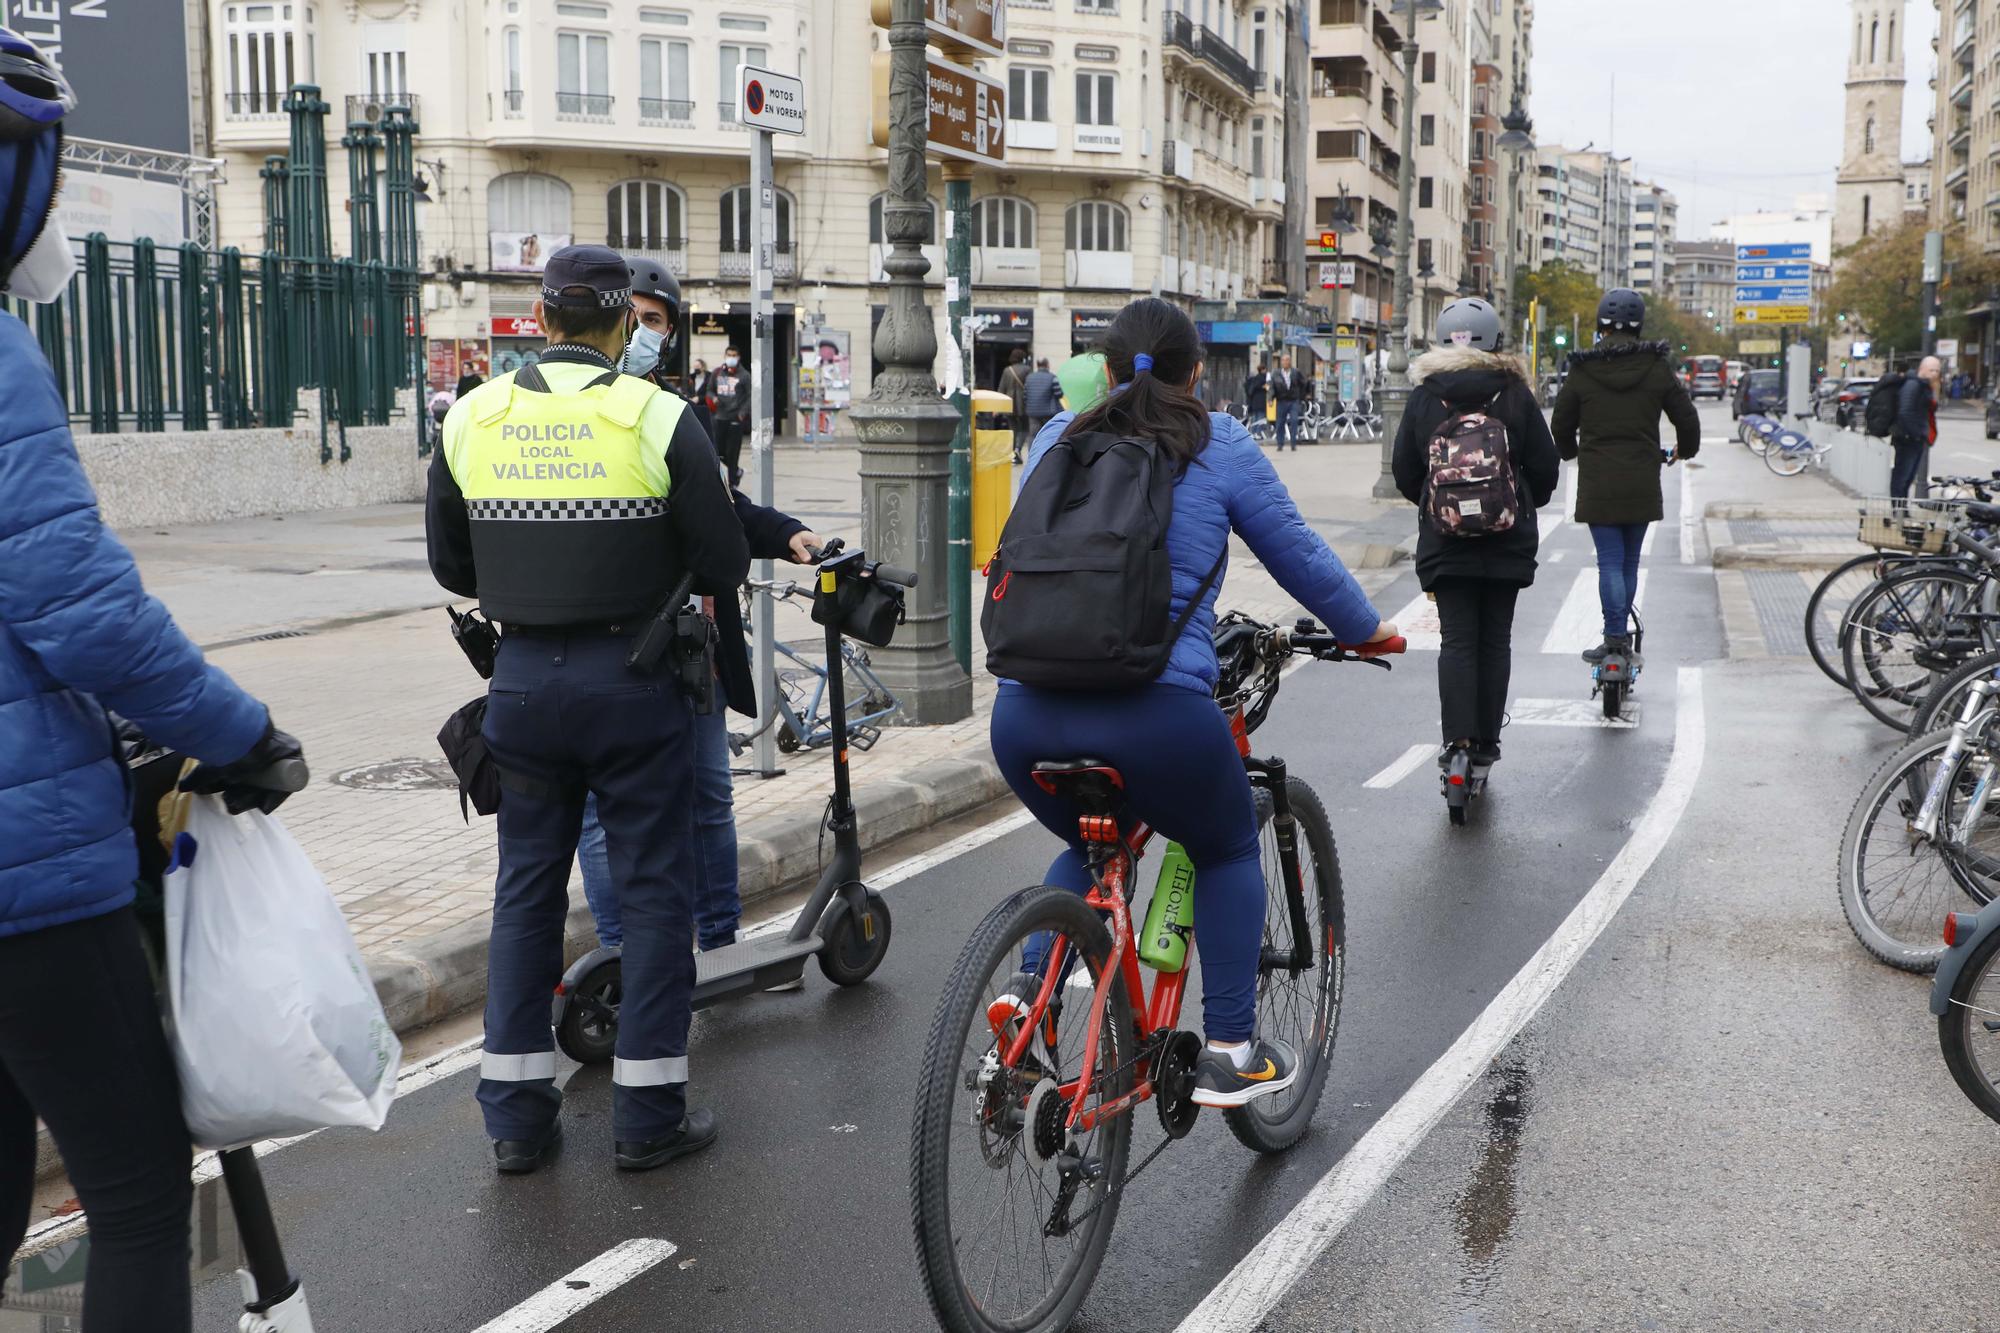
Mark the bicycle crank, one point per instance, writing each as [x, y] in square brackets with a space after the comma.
[1174, 1080]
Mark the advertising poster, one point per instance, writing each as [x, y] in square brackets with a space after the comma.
[825, 370]
[524, 251]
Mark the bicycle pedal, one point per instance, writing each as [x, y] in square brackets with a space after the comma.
[863, 738]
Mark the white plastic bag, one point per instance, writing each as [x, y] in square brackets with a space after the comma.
[276, 1026]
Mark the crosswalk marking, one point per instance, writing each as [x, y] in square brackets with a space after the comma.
[1579, 624]
[581, 1289]
[1407, 764]
[1578, 712]
[1417, 622]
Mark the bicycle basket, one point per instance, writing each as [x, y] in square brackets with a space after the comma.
[1921, 527]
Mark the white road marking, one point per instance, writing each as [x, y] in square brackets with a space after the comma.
[1407, 764]
[1554, 526]
[1687, 517]
[1417, 622]
[1569, 713]
[581, 1289]
[1646, 543]
[1254, 1287]
[1579, 623]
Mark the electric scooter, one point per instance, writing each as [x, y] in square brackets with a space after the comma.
[844, 923]
[1613, 679]
[274, 1299]
[1464, 781]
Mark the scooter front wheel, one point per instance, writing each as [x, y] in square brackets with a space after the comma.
[855, 944]
[588, 1030]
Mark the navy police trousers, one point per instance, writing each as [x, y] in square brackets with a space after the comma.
[565, 710]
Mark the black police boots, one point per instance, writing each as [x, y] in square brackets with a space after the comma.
[517, 1157]
[697, 1131]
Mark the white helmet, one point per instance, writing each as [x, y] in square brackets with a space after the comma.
[1469, 322]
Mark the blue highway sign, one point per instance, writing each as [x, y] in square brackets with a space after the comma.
[1775, 293]
[1774, 272]
[1793, 251]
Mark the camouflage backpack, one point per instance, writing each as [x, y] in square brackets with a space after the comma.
[1469, 484]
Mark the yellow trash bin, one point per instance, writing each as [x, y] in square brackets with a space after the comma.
[992, 470]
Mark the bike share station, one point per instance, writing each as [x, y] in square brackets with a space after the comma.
[843, 923]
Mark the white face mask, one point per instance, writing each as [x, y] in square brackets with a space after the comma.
[44, 272]
[729, 361]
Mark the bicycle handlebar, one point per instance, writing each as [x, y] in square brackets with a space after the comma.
[289, 775]
[1978, 548]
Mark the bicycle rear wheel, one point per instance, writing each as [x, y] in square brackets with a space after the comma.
[1301, 1009]
[993, 1170]
[1905, 635]
[1827, 608]
[1788, 462]
[1969, 1031]
[1895, 890]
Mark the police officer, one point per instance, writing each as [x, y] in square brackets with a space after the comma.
[570, 499]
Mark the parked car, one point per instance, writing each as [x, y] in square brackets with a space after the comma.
[1759, 391]
[1704, 375]
[1852, 401]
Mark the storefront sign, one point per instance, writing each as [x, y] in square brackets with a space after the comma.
[1008, 323]
[709, 325]
[516, 326]
[1090, 323]
[1230, 332]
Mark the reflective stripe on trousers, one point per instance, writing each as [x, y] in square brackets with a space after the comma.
[649, 1073]
[517, 1068]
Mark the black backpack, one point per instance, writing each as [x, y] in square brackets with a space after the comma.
[1883, 401]
[1079, 593]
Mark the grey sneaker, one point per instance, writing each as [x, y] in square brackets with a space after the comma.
[1595, 656]
[1218, 1082]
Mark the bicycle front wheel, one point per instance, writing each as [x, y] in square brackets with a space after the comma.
[1905, 634]
[1894, 888]
[1787, 462]
[1301, 1009]
[1011, 1210]
[1942, 706]
[1969, 1031]
[1826, 613]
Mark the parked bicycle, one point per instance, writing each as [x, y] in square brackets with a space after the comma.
[800, 715]
[1023, 1126]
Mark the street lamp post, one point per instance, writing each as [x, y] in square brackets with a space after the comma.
[905, 429]
[1396, 384]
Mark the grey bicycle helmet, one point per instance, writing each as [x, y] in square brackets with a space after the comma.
[1470, 322]
[1621, 311]
[651, 278]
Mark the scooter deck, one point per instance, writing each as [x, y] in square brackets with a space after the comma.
[749, 966]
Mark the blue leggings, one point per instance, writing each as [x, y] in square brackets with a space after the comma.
[1617, 572]
[1184, 777]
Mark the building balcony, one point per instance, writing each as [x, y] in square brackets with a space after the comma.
[1961, 91]
[254, 106]
[668, 111]
[1207, 48]
[1177, 159]
[735, 264]
[1954, 181]
[370, 109]
[1271, 278]
[513, 103]
[1110, 270]
[1006, 266]
[594, 108]
[1960, 139]
[725, 112]
[669, 252]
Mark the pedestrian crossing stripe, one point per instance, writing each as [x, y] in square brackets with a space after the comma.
[1579, 712]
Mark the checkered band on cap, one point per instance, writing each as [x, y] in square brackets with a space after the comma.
[645, 506]
[611, 300]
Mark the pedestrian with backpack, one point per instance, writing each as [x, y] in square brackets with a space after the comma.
[1476, 458]
[1607, 418]
[1098, 614]
[1913, 429]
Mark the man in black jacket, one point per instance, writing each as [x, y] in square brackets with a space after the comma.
[1289, 387]
[1475, 580]
[731, 387]
[1916, 427]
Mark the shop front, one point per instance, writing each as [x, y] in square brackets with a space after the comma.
[1009, 329]
[517, 342]
[1087, 329]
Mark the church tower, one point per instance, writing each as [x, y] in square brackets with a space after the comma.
[1868, 192]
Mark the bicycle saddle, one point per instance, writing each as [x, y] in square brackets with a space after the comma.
[1983, 513]
[1092, 784]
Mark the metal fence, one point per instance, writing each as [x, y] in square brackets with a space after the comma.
[149, 339]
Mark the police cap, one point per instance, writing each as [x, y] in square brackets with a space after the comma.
[597, 267]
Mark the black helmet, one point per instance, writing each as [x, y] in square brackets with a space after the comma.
[1621, 311]
[651, 278]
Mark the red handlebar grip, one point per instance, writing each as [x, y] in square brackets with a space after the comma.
[1395, 643]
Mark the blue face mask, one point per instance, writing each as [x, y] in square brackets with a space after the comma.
[643, 352]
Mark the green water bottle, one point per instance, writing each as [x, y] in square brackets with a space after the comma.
[1163, 944]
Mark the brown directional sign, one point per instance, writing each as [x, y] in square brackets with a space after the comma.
[968, 113]
[976, 25]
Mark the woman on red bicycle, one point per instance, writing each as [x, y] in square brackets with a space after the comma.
[1183, 774]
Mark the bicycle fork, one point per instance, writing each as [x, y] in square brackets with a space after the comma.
[1270, 775]
[1972, 720]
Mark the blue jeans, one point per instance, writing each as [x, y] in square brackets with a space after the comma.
[1288, 411]
[717, 909]
[1184, 777]
[1617, 572]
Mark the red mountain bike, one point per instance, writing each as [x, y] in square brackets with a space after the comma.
[1023, 1130]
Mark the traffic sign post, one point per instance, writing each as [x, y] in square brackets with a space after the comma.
[767, 103]
[1773, 284]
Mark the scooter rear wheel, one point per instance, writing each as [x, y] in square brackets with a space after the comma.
[588, 1033]
[855, 945]
[1613, 694]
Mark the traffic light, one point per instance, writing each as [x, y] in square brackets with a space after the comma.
[1562, 340]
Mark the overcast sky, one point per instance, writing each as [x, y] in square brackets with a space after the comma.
[1734, 105]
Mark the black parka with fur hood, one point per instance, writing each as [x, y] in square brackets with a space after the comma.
[1607, 417]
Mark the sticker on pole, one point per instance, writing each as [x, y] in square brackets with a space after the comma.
[772, 101]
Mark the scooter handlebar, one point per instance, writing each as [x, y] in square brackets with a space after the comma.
[902, 578]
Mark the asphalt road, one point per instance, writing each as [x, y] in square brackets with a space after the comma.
[1622, 1163]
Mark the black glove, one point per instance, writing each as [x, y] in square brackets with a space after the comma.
[260, 780]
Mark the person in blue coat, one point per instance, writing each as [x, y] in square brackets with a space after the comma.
[82, 1047]
[1183, 774]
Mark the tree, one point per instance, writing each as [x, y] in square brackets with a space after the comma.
[1881, 285]
[1566, 291]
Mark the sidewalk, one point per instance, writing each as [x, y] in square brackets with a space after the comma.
[1769, 522]
[333, 621]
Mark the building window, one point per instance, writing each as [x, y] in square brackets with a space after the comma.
[1479, 145]
[1343, 145]
[878, 234]
[527, 216]
[1868, 135]
[735, 23]
[1257, 55]
[1865, 201]
[583, 74]
[1333, 13]
[1423, 254]
[1096, 98]
[736, 220]
[510, 56]
[385, 63]
[1425, 198]
[1097, 6]
[1004, 224]
[1094, 224]
[1430, 74]
[664, 90]
[1028, 93]
[1427, 130]
[1257, 146]
[261, 58]
[732, 57]
[645, 215]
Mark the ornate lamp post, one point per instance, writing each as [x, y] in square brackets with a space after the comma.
[1395, 391]
[1517, 137]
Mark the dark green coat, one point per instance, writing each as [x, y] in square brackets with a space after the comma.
[1613, 399]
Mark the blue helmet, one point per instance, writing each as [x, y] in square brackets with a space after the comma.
[34, 97]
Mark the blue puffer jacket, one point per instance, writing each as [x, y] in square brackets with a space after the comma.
[79, 635]
[1232, 485]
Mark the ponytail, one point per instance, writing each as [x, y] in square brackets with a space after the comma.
[1152, 351]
